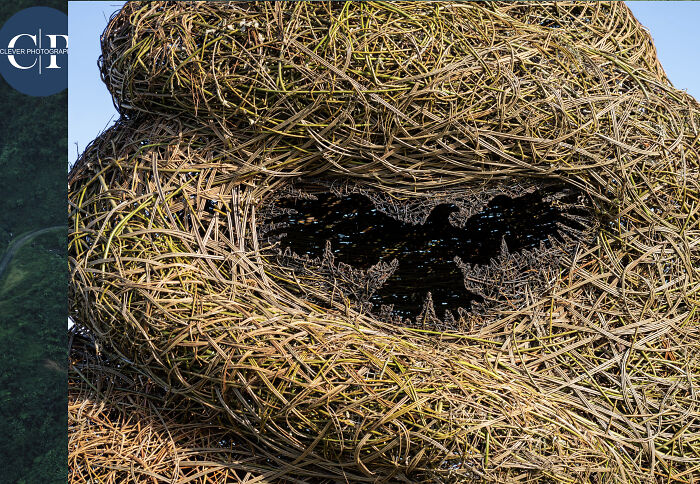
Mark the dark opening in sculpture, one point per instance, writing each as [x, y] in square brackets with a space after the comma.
[362, 235]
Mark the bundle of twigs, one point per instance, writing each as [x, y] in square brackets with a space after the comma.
[589, 375]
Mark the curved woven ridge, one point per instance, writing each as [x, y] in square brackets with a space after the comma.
[123, 428]
[605, 26]
[423, 89]
[589, 376]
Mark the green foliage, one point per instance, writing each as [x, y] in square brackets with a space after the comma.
[33, 287]
[33, 362]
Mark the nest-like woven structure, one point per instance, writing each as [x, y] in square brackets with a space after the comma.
[588, 372]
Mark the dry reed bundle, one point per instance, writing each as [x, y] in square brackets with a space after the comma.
[588, 375]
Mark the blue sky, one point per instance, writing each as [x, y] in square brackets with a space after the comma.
[673, 25]
[90, 108]
[676, 33]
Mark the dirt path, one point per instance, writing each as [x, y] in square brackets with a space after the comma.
[18, 243]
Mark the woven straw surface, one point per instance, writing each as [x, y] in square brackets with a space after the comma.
[587, 373]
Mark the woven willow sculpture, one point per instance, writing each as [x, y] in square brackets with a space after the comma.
[588, 372]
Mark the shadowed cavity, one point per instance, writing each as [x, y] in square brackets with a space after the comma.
[361, 235]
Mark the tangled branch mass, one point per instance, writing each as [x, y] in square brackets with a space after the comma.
[225, 359]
